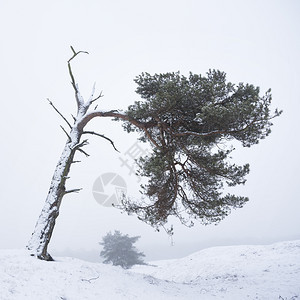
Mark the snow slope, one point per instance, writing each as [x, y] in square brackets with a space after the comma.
[238, 272]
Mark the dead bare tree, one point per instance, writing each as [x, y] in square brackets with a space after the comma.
[41, 236]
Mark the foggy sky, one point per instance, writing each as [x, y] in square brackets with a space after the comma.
[256, 42]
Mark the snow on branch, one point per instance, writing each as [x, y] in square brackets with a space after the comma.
[92, 99]
[78, 96]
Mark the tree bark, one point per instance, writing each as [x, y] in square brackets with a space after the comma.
[38, 244]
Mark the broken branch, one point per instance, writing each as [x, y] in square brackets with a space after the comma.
[76, 53]
[73, 191]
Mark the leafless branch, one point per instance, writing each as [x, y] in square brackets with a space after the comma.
[95, 99]
[80, 145]
[102, 136]
[66, 133]
[76, 53]
[73, 191]
[59, 113]
[75, 86]
[82, 151]
[92, 99]
[83, 143]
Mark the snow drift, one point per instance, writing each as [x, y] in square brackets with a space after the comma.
[237, 272]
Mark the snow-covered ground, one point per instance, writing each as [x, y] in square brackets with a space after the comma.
[238, 272]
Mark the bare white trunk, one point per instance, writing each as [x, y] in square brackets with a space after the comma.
[41, 236]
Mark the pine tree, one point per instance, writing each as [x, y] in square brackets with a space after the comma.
[189, 122]
[118, 249]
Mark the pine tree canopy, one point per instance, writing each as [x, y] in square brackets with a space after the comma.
[190, 122]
